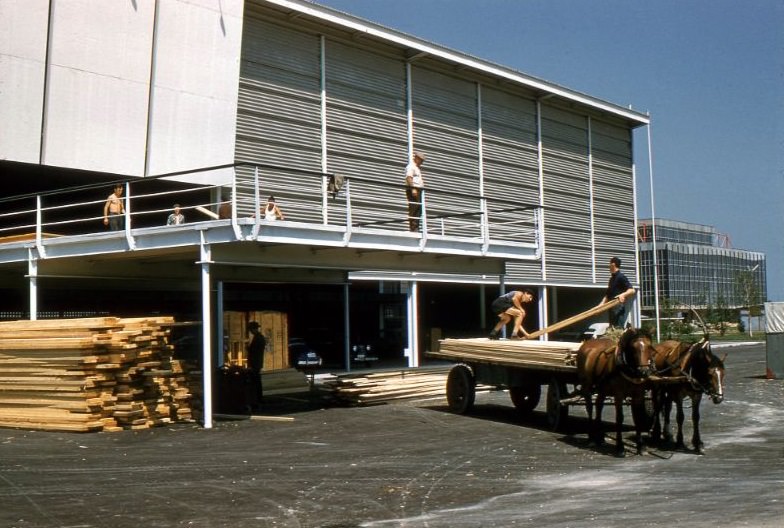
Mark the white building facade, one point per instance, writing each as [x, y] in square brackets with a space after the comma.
[528, 183]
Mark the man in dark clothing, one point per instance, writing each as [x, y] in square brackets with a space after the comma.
[617, 287]
[510, 306]
[256, 360]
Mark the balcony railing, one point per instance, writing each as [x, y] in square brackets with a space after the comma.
[308, 200]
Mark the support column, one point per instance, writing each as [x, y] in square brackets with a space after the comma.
[219, 330]
[501, 291]
[412, 300]
[206, 323]
[32, 267]
[482, 308]
[543, 311]
[346, 327]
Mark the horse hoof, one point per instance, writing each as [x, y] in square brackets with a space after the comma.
[620, 453]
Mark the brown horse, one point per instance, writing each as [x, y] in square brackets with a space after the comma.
[619, 369]
[701, 373]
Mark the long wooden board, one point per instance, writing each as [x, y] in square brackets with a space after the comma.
[596, 310]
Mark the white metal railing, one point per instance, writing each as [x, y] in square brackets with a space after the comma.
[361, 204]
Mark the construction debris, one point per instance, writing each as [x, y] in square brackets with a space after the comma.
[91, 374]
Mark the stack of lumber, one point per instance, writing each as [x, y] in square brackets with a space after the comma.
[544, 355]
[90, 374]
[381, 387]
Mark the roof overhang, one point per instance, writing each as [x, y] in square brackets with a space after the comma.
[420, 47]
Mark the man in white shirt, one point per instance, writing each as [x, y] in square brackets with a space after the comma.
[414, 187]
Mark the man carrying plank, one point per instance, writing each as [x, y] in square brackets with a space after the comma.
[618, 287]
[510, 306]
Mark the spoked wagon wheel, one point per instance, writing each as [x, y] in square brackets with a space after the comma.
[557, 413]
[526, 398]
[460, 389]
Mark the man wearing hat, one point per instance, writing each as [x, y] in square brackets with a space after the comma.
[256, 360]
[414, 188]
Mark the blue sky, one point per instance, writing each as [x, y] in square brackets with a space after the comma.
[709, 72]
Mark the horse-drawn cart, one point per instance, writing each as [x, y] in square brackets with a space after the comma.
[522, 367]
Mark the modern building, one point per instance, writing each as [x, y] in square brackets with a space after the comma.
[217, 104]
[698, 268]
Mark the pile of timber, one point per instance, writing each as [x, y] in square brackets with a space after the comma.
[541, 355]
[381, 387]
[91, 374]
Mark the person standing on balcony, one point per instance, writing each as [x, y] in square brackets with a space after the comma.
[617, 287]
[272, 211]
[176, 218]
[114, 210]
[510, 306]
[415, 185]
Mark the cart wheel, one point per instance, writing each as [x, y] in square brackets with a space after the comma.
[460, 389]
[526, 398]
[642, 413]
[557, 413]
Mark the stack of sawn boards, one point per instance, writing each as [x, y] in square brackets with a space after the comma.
[543, 355]
[380, 387]
[90, 374]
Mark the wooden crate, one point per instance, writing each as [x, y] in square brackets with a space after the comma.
[274, 327]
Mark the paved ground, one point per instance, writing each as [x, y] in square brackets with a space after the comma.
[404, 465]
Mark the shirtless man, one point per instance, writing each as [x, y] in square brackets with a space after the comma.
[510, 306]
[114, 210]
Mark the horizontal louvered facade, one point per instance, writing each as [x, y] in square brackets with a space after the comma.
[315, 97]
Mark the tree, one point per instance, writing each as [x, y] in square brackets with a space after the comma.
[718, 315]
[748, 291]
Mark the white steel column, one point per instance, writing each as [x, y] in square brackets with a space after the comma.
[32, 271]
[323, 87]
[653, 236]
[484, 219]
[543, 311]
[413, 323]
[540, 167]
[206, 323]
[409, 114]
[591, 201]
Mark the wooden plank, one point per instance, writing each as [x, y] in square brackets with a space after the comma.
[596, 310]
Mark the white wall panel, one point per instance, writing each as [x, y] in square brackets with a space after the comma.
[194, 102]
[95, 122]
[23, 26]
[96, 104]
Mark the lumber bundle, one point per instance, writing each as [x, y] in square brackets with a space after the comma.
[382, 387]
[90, 374]
[542, 355]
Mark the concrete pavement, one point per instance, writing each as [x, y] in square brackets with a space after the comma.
[411, 464]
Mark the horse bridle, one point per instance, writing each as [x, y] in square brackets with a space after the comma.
[695, 384]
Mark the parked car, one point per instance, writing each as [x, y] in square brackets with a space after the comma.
[301, 355]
